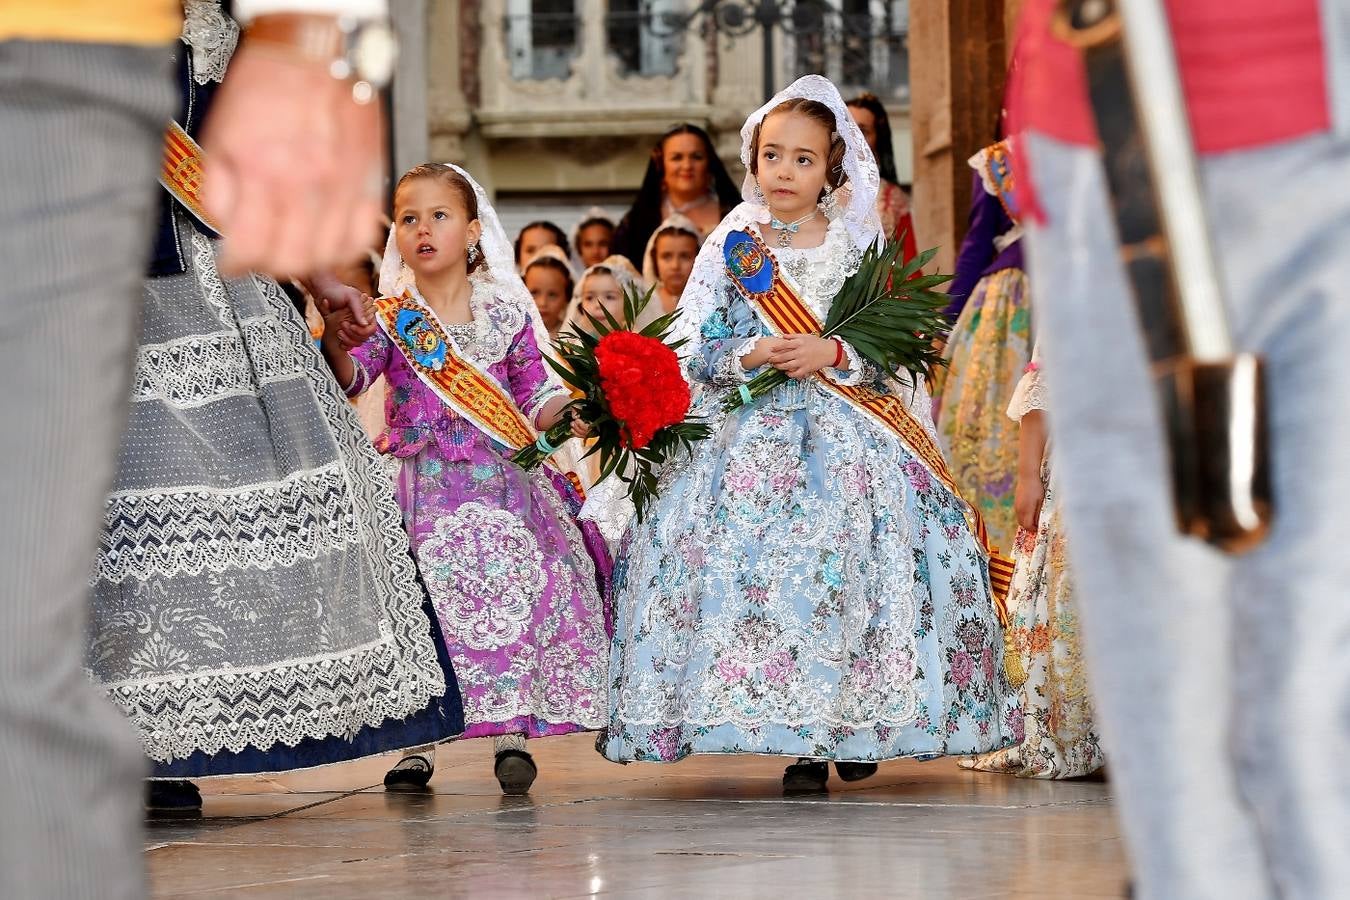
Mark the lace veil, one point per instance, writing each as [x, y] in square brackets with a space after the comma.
[675, 222]
[857, 207]
[623, 273]
[498, 269]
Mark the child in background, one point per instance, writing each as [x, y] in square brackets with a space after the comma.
[548, 278]
[601, 289]
[669, 260]
[517, 583]
[592, 237]
[535, 237]
[1059, 737]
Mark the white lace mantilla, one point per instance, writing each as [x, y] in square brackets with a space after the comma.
[212, 35]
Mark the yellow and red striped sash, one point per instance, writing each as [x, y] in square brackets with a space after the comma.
[460, 384]
[784, 312]
[181, 172]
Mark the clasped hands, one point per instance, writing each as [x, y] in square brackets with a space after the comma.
[348, 314]
[795, 355]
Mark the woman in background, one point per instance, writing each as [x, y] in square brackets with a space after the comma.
[684, 176]
[892, 200]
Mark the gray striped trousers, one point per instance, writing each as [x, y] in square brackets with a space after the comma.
[79, 149]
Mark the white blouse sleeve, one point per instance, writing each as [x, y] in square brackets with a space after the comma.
[1030, 393]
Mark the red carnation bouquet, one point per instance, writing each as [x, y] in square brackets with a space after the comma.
[629, 387]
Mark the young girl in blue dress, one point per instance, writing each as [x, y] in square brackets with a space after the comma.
[807, 585]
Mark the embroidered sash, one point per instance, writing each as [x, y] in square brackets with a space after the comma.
[754, 270]
[181, 172]
[458, 382]
[996, 171]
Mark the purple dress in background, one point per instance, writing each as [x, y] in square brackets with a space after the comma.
[517, 582]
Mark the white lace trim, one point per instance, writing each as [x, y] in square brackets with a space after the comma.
[610, 508]
[212, 35]
[318, 697]
[202, 368]
[192, 529]
[213, 288]
[289, 701]
[818, 273]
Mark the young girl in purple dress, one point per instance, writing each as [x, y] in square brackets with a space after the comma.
[517, 583]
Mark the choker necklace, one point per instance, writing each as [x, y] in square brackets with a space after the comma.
[788, 230]
[684, 208]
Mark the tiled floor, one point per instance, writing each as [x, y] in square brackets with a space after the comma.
[706, 827]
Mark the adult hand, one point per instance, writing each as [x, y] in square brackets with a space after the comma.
[293, 165]
[331, 295]
[346, 331]
[803, 355]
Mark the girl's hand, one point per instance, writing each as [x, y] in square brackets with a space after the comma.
[803, 355]
[1027, 501]
[760, 355]
[580, 427]
[347, 330]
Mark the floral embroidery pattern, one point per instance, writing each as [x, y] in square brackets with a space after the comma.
[516, 582]
[802, 586]
[987, 351]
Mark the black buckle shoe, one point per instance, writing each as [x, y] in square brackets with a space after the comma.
[855, 771]
[806, 776]
[515, 771]
[411, 774]
[172, 797]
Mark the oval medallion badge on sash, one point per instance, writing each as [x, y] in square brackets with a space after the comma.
[420, 337]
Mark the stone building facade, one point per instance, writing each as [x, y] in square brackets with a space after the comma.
[555, 104]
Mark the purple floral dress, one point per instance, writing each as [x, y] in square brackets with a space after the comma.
[517, 583]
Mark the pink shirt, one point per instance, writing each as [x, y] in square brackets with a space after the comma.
[1253, 72]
